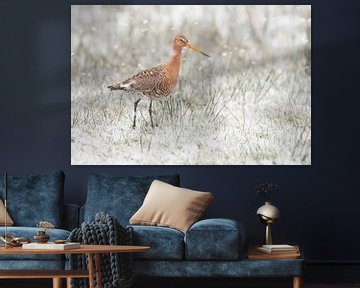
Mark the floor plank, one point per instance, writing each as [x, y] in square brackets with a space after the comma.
[46, 283]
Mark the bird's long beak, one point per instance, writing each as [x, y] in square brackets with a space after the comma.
[197, 49]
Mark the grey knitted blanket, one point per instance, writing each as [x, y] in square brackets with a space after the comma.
[116, 268]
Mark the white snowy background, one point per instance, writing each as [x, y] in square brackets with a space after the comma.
[249, 104]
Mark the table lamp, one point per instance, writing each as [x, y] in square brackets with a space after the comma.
[268, 214]
[5, 205]
[8, 239]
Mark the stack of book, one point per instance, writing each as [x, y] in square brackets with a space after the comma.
[279, 249]
[51, 246]
[274, 252]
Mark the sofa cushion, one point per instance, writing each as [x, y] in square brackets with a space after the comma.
[213, 269]
[29, 232]
[214, 239]
[9, 221]
[169, 206]
[165, 243]
[119, 196]
[35, 198]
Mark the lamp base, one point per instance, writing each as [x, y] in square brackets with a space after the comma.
[268, 237]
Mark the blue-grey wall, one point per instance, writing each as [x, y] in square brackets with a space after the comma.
[318, 203]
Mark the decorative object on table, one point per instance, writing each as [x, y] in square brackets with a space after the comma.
[11, 241]
[255, 254]
[268, 213]
[60, 241]
[116, 268]
[41, 236]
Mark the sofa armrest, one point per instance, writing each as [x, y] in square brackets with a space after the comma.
[71, 216]
[215, 239]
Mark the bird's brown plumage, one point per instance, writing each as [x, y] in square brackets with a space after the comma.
[157, 82]
[154, 83]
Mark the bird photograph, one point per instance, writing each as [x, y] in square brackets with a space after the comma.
[190, 85]
[157, 82]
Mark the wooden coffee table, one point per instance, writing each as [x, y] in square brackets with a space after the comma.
[57, 275]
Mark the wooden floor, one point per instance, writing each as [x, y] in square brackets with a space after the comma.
[339, 285]
[45, 283]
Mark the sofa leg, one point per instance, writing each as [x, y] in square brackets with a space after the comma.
[57, 283]
[297, 282]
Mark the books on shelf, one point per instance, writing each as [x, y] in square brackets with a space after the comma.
[51, 246]
[278, 249]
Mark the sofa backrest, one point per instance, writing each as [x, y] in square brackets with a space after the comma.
[70, 219]
[120, 196]
[35, 198]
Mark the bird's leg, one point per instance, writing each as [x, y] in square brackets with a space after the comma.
[150, 113]
[135, 106]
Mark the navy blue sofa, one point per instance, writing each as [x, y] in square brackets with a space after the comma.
[210, 248]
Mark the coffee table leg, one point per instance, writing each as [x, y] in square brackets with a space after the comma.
[57, 283]
[297, 282]
[98, 270]
[68, 282]
[91, 270]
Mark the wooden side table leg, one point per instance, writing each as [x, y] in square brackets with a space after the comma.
[98, 270]
[68, 282]
[91, 270]
[297, 282]
[57, 283]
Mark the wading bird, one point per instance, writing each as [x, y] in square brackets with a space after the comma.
[158, 82]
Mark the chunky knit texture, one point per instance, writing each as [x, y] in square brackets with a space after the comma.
[116, 268]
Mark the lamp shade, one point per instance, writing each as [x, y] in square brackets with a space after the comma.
[269, 211]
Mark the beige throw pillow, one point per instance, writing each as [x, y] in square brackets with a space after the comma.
[10, 222]
[170, 206]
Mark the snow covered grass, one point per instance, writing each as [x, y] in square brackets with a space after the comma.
[248, 104]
